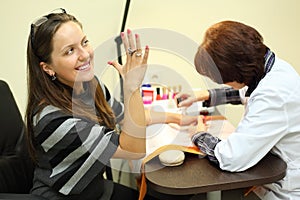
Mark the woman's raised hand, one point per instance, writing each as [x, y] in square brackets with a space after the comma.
[134, 69]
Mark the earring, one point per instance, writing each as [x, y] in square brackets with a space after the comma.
[53, 77]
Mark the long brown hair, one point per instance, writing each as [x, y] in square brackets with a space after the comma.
[42, 91]
[231, 51]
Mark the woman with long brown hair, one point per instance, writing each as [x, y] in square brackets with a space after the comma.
[71, 118]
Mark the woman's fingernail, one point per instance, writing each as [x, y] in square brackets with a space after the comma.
[122, 34]
[109, 62]
[136, 36]
[128, 31]
[147, 47]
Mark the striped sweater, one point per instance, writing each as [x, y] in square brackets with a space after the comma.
[72, 151]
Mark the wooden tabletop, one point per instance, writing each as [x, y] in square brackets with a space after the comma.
[199, 175]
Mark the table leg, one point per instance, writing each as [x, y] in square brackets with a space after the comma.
[215, 195]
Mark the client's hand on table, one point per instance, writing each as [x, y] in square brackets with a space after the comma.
[155, 117]
[186, 120]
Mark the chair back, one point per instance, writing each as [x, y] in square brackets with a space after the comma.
[10, 120]
[16, 167]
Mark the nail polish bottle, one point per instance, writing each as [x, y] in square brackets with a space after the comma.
[165, 93]
[158, 96]
[147, 93]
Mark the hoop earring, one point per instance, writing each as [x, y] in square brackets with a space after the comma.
[53, 77]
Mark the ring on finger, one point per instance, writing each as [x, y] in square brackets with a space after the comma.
[131, 51]
[138, 53]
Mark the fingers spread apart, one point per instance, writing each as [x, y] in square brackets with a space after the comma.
[131, 47]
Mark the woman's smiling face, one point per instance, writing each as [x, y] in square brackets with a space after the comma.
[72, 56]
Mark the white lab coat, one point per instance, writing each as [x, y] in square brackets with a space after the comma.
[271, 123]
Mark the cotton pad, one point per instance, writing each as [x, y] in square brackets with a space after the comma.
[171, 157]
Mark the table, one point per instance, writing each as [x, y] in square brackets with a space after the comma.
[198, 175]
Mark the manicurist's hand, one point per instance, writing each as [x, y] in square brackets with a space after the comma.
[199, 127]
[186, 100]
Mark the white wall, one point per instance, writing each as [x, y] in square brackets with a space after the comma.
[101, 20]
[277, 20]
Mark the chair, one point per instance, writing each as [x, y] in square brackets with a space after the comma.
[16, 167]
